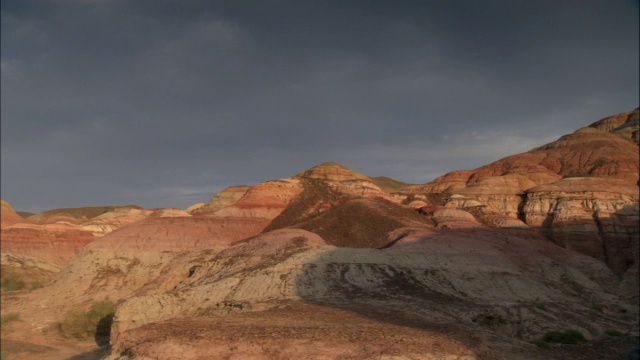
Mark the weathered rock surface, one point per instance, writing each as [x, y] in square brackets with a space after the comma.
[598, 217]
[224, 198]
[263, 201]
[75, 215]
[455, 273]
[114, 219]
[344, 180]
[434, 278]
[9, 215]
[582, 188]
[625, 124]
[454, 219]
[55, 244]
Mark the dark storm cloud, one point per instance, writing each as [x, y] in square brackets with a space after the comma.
[163, 103]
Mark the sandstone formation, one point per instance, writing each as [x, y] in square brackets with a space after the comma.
[344, 180]
[114, 219]
[582, 188]
[75, 215]
[263, 201]
[9, 215]
[328, 262]
[598, 217]
[55, 244]
[624, 124]
[222, 199]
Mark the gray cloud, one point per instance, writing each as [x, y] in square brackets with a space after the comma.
[159, 103]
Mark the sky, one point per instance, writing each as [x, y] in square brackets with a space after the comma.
[164, 103]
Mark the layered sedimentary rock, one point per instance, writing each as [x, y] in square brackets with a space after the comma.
[9, 215]
[344, 180]
[56, 243]
[117, 218]
[582, 188]
[624, 124]
[596, 216]
[222, 199]
[75, 215]
[604, 149]
[454, 219]
[504, 194]
[112, 220]
[263, 201]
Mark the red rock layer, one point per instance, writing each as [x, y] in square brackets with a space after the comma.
[176, 234]
[53, 243]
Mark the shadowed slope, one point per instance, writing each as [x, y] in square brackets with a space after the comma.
[345, 220]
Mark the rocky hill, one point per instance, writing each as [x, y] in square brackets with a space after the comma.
[478, 264]
[582, 190]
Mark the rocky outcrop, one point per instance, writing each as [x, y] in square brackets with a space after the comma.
[117, 218]
[624, 124]
[332, 172]
[9, 215]
[504, 194]
[55, 244]
[178, 234]
[75, 215]
[114, 219]
[454, 219]
[446, 183]
[582, 189]
[603, 149]
[224, 198]
[598, 217]
[344, 180]
[263, 201]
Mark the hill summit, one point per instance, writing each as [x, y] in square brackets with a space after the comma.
[332, 171]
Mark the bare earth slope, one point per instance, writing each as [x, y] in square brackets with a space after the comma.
[423, 282]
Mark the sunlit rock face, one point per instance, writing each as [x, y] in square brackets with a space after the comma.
[582, 189]
[9, 215]
[598, 217]
[344, 180]
[222, 199]
[55, 244]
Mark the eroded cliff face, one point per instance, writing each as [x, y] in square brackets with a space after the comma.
[598, 217]
[582, 190]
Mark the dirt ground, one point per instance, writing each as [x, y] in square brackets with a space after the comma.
[21, 341]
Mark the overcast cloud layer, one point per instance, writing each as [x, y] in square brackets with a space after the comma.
[164, 103]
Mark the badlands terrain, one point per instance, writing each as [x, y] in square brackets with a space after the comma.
[534, 256]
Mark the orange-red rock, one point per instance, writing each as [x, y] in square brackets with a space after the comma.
[224, 198]
[53, 243]
[9, 215]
